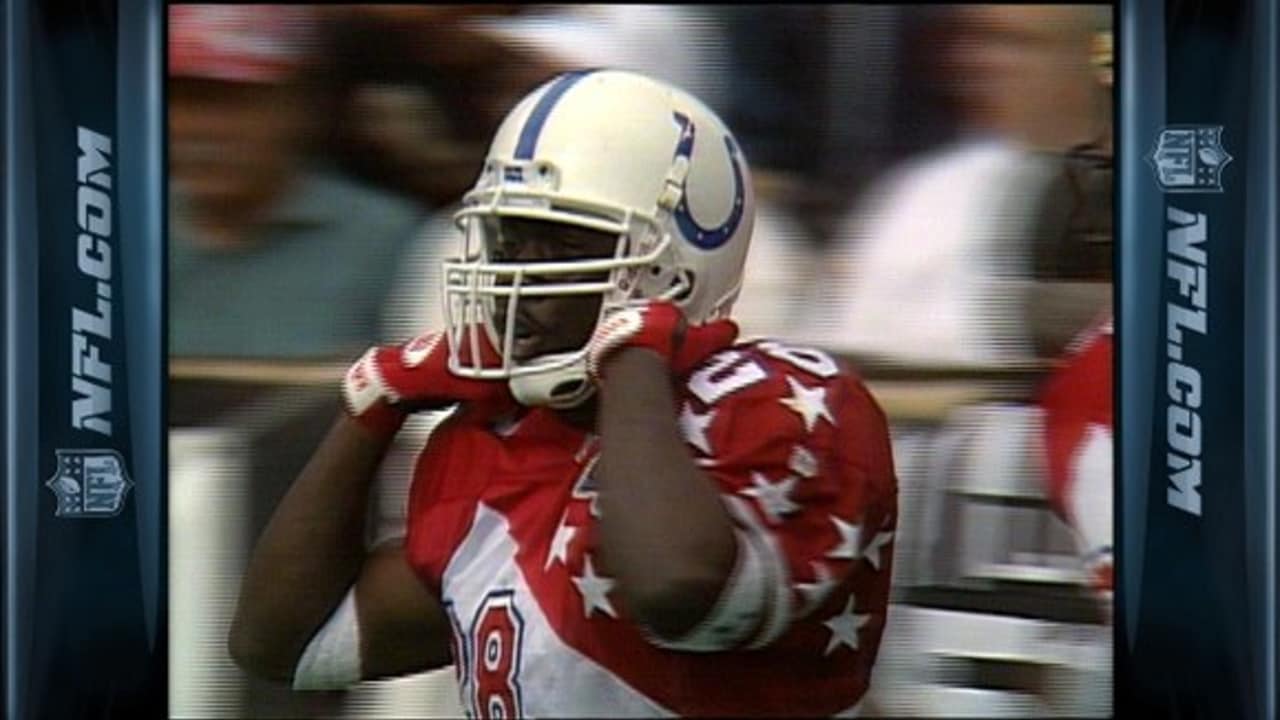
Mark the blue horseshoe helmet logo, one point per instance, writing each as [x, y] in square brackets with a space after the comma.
[714, 237]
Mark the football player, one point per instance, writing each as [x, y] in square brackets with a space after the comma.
[1077, 397]
[1078, 422]
[627, 513]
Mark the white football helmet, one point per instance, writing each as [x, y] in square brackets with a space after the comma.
[611, 151]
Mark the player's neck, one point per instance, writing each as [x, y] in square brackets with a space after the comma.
[582, 417]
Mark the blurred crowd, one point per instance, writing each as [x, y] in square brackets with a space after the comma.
[910, 162]
[934, 189]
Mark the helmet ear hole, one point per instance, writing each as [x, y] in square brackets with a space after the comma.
[568, 388]
[682, 284]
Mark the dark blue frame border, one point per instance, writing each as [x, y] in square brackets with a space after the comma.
[21, 367]
[1261, 328]
[45, 581]
[1141, 112]
[1196, 630]
[140, 73]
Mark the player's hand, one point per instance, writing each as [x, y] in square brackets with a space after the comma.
[662, 328]
[390, 382]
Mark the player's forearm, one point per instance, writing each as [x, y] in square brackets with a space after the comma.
[309, 554]
[665, 535]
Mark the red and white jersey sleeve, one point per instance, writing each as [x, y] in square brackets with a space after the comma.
[802, 455]
[1077, 403]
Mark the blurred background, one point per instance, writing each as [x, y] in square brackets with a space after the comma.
[934, 188]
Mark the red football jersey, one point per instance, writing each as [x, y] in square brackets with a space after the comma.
[1077, 404]
[502, 527]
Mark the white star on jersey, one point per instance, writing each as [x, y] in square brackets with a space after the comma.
[774, 498]
[849, 534]
[809, 403]
[594, 589]
[802, 462]
[816, 591]
[844, 628]
[560, 542]
[872, 551]
[694, 428]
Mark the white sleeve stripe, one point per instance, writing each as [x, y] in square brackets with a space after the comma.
[737, 612]
[363, 385]
[332, 658]
[777, 617]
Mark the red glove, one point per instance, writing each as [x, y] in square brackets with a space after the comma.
[389, 382]
[661, 327]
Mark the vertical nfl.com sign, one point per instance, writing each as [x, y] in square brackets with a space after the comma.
[1189, 158]
[1186, 159]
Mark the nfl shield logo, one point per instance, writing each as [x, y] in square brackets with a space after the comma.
[89, 483]
[1189, 158]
